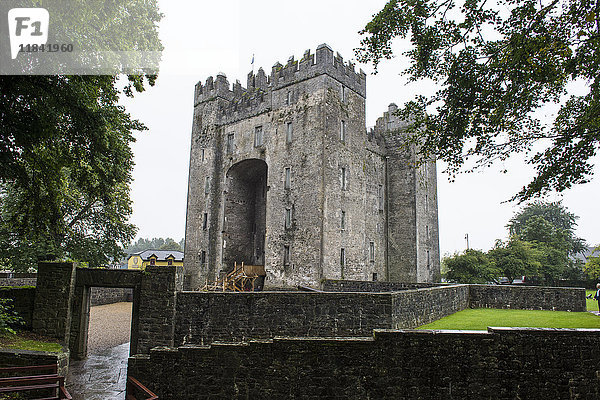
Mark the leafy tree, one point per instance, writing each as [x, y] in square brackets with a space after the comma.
[155, 244]
[548, 222]
[548, 228]
[514, 258]
[498, 63]
[592, 266]
[66, 169]
[472, 266]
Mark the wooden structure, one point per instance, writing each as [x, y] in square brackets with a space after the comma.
[243, 278]
[39, 380]
[136, 389]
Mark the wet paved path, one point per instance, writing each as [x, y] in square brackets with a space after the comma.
[103, 375]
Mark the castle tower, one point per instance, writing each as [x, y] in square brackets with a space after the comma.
[283, 174]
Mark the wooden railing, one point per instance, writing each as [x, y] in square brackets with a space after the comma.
[134, 387]
[39, 378]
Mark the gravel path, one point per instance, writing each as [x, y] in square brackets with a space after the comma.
[110, 326]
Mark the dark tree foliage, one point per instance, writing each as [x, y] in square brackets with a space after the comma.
[65, 169]
[497, 63]
[472, 266]
[154, 244]
[547, 222]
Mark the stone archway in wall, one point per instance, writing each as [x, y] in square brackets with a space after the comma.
[85, 280]
[245, 214]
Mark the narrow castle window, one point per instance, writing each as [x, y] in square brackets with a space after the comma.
[288, 218]
[230, 138]
[258, 136]
[203, 257]
[344, 94]
[205, 221]
[343, 131]
[202, 154]
[343, 220]
[343, 258]
[289, 132]
[288, 179]
[428, 260]
[288, 99]
[374, 276]
[286, 255]
[372, 252]
[207, 185]
[380, 197]
[343, 178]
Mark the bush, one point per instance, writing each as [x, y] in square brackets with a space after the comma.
[9, 319]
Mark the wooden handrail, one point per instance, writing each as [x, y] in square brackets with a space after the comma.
[34, 382]
[133, 385]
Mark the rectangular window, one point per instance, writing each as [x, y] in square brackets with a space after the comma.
[342, 258]
[286, 255]
[289, 133]
[372, 252]
[288, 179]
[343, 131]
[428, 261]
[230, 138]
[343, 178]
[202, 155]
[205, 221]
[207, 185]
[258, 136]
[380, 197]
[344, 93]
[288, 218]
[203, 257]
[374, 276]
[343, 220]
[288, 99]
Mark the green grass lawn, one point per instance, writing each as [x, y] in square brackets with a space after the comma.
[592, 305]
[28, 341]
[481, 318]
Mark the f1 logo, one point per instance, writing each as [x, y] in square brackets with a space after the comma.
[28, 26]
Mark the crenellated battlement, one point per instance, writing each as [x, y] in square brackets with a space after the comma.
[259, 84]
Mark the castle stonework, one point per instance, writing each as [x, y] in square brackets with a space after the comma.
[284, 174]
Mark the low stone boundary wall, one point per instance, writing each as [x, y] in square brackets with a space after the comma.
[203, 317]
[413, 308]
[100, 296]
[332, 285]
[17, 279]
[527, 297]
[23, 358]
[23, 300]
[498, 364]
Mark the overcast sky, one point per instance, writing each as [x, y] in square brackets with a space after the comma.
[203, 38]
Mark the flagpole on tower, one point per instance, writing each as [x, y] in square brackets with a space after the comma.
[252, 63]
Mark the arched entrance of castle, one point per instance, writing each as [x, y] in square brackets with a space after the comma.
[245, 214]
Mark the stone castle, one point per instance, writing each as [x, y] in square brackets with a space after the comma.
[283, 173]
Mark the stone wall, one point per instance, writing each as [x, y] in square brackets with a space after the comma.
[23, 302]
[413, 308]
[23, 358]
[332, 285]
[206, 317]
[156, 314]
[527, 297]
[53, 300]
[100, 296]
[498, 364]
[17, 279]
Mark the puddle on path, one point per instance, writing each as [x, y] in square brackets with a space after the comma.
[102, 376]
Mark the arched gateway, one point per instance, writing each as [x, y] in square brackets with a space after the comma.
[245, 214]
